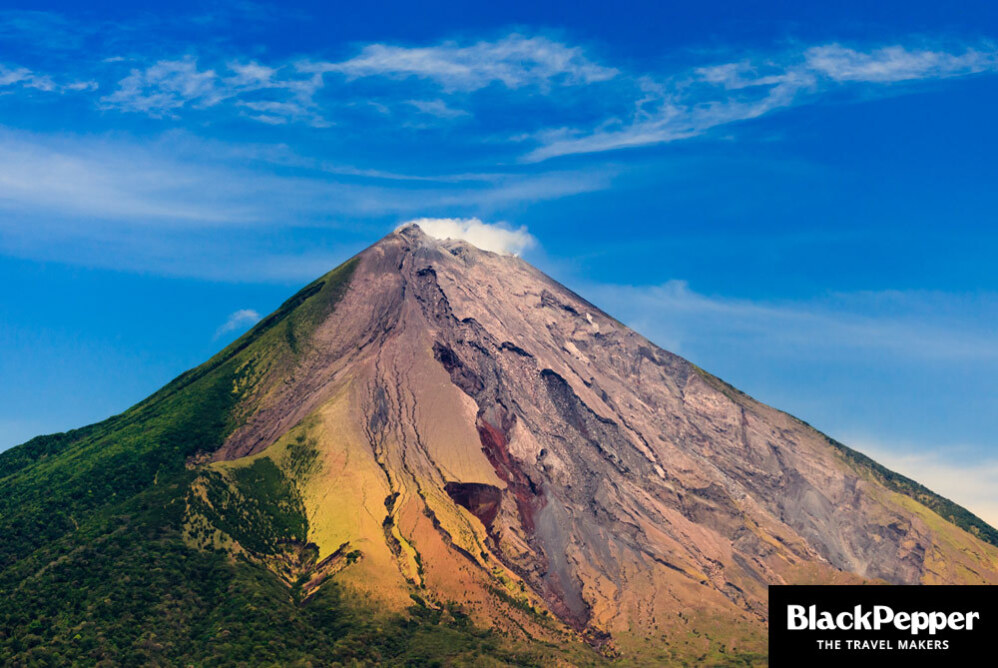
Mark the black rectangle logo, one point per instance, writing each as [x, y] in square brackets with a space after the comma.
[856, 625]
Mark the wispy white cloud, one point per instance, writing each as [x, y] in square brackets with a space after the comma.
[181, 206]
[163, 88]
[278, 113]
[437, 108]
[627, 109]
[903, 324]
[149, 185]
[688, 104]
[110, 180]
[238, 320]
[495, 237]
[115, 181]
[22, 77]
[514, 61]
[85, 86]
[896, 63]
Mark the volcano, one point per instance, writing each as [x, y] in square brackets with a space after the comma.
[438, 452]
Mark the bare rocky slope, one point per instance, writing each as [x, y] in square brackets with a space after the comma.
[435, 453]
[486, 436]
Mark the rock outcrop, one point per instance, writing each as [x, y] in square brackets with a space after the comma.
[486, 436]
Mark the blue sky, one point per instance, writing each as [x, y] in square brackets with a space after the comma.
[798, 198]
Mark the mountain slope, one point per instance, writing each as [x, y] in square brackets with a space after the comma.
[450, 438]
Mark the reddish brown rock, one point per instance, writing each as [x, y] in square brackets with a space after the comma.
[534, 446]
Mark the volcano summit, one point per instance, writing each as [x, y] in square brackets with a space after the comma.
[436, 452]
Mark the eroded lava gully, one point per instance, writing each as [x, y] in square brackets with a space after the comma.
[485, 436]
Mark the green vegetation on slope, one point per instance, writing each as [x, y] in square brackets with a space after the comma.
[260, 508]
[298, 315]
[75, 475]
[125, 590]
[942, 506]
[50, 485]
[95, 569]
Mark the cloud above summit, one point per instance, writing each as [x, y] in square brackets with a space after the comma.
[465, 125]
[773, 157]
[495, 237]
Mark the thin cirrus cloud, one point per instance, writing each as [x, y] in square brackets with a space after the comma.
[162, 89]
[690, 104]
[165, 87]
[897, 63]
[515, 61]
[629, 108]
[238, 320]
[162, 208]
[22, 77]
[679, 317]
[437, 108]
[113, 180]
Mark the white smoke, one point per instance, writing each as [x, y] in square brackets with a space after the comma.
[495, 237]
